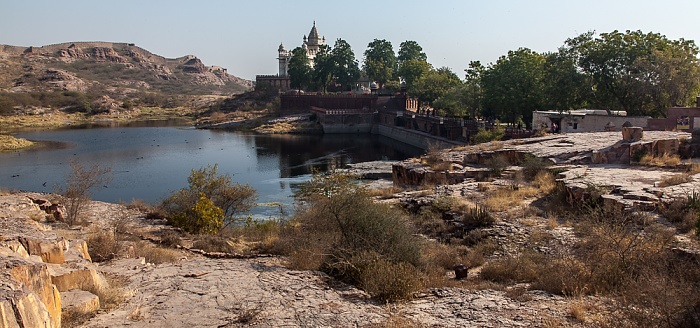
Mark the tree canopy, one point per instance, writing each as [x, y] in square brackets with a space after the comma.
[380, 61]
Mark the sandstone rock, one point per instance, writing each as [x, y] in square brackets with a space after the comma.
[77, 251]
[80, 301]
[7, 315]
[41, 299]
[51, 251]
[632, 133]
[76, 276]
[31, 312]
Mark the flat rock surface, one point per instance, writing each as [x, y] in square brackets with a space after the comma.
[202, 292]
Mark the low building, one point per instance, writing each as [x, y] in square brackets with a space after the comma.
[585, 120]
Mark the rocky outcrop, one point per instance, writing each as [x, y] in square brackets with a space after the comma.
[38, 266]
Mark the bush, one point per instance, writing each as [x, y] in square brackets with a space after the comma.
[195, 208]
[483, 135]
[78, 186]
[103, 246]
[340, 228]
[203, 217]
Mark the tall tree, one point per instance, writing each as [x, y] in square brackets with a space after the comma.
[641, 73]
[300, 71]
[513, 86]
[411, 70]
[324, 67]
[564, 86]
[380, 61]
[434, 84]
[411, 50]
[346, 70]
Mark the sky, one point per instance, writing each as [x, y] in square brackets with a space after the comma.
[243, 36]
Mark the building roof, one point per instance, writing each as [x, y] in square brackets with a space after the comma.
[314, 32]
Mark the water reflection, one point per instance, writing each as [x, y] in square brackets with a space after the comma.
[148, 162]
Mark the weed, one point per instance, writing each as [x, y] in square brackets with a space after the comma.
[675, 179]
[665, 160]
[154, 254]
[103, 246]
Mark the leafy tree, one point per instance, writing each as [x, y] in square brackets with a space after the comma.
[434, 84]
[232, 198]
[413, 69]
[641, 73]
[324, 67]
[564, 87]
[380, 61]
[300, 71]
[411, 50]
[513, 87]
[346, 68]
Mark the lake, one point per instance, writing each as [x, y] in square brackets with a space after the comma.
[149, 160]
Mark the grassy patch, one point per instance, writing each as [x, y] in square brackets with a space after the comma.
[9, 143]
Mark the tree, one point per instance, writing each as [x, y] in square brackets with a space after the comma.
[380, 61]
[513, 86]
[641, 73]
[434, 84]
[324, 67]
[411, 50]
[564, 86]
[299, 69]
[78, 186]
[346, 70]
[187, 207]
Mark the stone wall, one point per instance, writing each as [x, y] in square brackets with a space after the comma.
[413, 138]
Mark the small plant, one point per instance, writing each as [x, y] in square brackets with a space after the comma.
[675, 179]
[477, 216]
[497, 164]
[78, 186]
[665, 160]
[103, 246]
[203, 217]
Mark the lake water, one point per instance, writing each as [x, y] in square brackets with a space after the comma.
[149, 161]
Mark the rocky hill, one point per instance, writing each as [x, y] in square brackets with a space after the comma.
[119, 70]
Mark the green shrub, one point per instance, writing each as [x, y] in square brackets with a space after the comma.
[341, 227]
[203, 217]
[483, 135]
[232, 199]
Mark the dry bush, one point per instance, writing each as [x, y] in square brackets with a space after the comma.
[681, 212]
[154, 254]
[433, 159]
[263, 233]
[78, 187]
[8, 143]
[139, 205]
[544, 181]
[385, 193]
[496, 165]
[523, 267]
[502, 199]
[675, 179]
[384, 279]
[552, 223]
[341, 228]
[665, 160]
[214, 243]
[103, 245]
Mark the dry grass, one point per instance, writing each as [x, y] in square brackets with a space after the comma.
[9, 143]
[665, 160]
[103, 245]
[154, 254]
[675, 179]
[386, 192]
[505, 198]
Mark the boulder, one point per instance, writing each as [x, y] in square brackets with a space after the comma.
[35, 299]
[51, 251]
[80, 301]
[76, 276]
[632, 133]
[7, 315]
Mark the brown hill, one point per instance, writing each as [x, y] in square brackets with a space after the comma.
[122, 71]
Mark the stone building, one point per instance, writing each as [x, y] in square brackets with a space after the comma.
[585, 120]
[281, 80]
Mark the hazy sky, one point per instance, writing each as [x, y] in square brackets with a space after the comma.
[243, 36]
